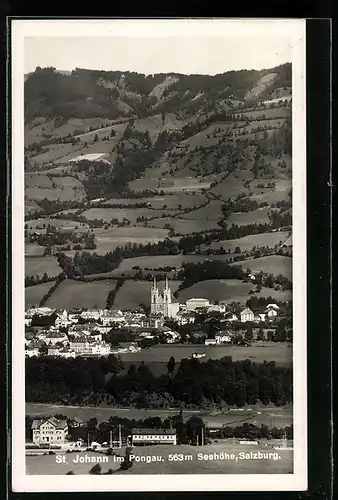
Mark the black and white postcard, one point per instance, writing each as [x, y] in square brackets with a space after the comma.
[159, 255]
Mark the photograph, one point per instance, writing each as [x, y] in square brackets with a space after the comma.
[158, 179]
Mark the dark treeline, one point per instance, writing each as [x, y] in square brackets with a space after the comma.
[187, 429]
[194, 384]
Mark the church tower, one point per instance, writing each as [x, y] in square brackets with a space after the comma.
[166, 298]
[154, 298]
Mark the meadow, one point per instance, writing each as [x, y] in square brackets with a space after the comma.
[76, 294]
[172, 201]
[256, 414]
[33, 249]
[259, 216]
[158, 261]
[228, 290]
[279, 352]
[131, 214]
[63, 194]
[34, 294]
[253, 240]
[41, 224]
[108, 239]
[185, 226]
[210, 211]
[274, 264]
[40, 265]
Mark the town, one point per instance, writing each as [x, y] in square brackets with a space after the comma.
[100, 332]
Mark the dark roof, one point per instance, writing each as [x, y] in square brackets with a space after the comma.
[154, 431]
[58, 424]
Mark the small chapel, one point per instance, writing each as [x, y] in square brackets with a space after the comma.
[161, 303]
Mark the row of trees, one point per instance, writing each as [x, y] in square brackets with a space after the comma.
[194, 384]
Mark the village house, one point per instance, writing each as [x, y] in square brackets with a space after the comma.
[217, 308]
[94, 314]
[222, 338]
[51, 431]
[210, 342]
[261, 317]
[62, 352]
[247, 315]
[31, 351]
[231, 317]
[155, 320]
[55, 337]
[88, 346]
[109, 317]
[185, 317]
[272, 313]
[153, 436]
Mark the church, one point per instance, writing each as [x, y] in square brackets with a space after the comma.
[161, 303]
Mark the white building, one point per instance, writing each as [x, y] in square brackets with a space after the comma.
[61, 352]
[222, 338]
[261, 317]
[29, 353]
[272, 313]
[247, 315]
[88, 346]
[55, 337]
[193, 304]
[185, 317]
[51, 431]
[153, 436]
[94, 314]
[162, 303]
[109, 317]
[210, 342]
[217, 308]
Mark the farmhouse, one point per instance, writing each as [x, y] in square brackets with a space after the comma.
[247, 315]
[153, 436]
[51, 431]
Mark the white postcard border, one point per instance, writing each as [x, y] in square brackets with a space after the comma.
[295, 30]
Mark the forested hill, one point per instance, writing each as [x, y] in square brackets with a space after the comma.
[86, 93]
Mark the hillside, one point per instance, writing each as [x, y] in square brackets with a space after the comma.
[122, 166]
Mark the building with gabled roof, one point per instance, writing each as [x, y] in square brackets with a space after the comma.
[49, 431]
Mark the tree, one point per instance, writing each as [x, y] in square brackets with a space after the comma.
[171, 365]
[95, 470]
[96, 138]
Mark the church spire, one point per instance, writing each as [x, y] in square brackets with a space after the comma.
[166, 283]
[154, 283]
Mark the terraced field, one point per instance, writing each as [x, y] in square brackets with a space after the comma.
[34, 294]
[253, 240]
[76, 294]
[40, 265]
[274, 264]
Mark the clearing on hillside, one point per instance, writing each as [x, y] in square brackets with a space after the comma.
[170, 201]
[210, 211]
[185, 226]
[252, 240]
[33, 249]
[37, 266]
[227, 290]
[274, 264]
[34, 294]
[259, 216]
[131, 214]
[76, 294]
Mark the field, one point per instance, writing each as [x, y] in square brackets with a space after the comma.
[75, 294]
[62, 194]
[132, 294]
[257, 414]
[258, 352]
[108, 239]
[278, 462]
[254, 240]
[34, 294]
[227, 290]
[259, 216]
[211, 211]
[158, 261]
[172, 201]
[40, 265]
[33, 249]
[41, 224]
[107, 214]
[275, 264]
[186, 226]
